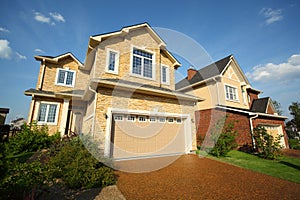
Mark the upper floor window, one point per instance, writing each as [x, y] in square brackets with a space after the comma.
[48, 113]
[65, 77]
[231, 93]
[142, 63]
[165, 78]
[112, 61]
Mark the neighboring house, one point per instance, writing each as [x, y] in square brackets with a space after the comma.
[3, 113]
[17, 124]
[227, 92]
[123, 96]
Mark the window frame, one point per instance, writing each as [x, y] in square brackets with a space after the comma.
[160, 120]
[131, 120]
[179, 121]
[143, 117]
[235, 91]
[116, 117]
[65, 78]
[151, 118]
[117, 61]
[48, 103]
[167, 82]
[170, 118]
[142, 67]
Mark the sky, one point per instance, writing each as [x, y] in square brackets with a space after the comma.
[263, 36]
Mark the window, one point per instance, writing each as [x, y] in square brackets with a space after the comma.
[162, 120]
[65, 77]
[48, 113]
[152, 119]
[178, 121]
[165, 79]
[231, 93]
[112, 61]
[118, 117]
[142, 119]
[142, 63]
[131, 118]
[170, 120]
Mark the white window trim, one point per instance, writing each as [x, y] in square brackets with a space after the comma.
[63, 84]
[56, 113]
[162, 118]
[170, 118]
[236, 94]
[131, 116]
[153, 63]
[142, 116]
[167, 74]
[116, 71]
[177, 121]
[116, 117]
[151, 117]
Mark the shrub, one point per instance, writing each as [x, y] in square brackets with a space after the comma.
[267, 146]
[224, 138]
[294, 144]
[30, 139]
[77, 168]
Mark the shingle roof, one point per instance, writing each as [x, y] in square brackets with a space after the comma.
[260, 105]
[207, 72]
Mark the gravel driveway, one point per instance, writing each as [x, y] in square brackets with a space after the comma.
[191, 177]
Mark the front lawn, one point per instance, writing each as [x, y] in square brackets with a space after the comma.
[284, 167]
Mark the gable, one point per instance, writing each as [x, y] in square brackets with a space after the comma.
[234, 72]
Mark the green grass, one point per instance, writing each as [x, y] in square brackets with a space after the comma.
[284, 167]
[21, 158]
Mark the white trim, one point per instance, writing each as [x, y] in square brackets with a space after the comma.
[236, 93]
[64, 84]
[167, 82]
[151, 117]
[177, 121]
[56, 113]
[117, 58]
[173, 120]
[107, 143]
[153, 63]
[118, 116]
[129, 120]
[63, 117]
[162, 118]
[142, 120]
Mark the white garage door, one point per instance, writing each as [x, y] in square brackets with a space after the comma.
[136, 136]
[275, 131]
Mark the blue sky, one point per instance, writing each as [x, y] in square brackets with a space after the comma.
[262, 35]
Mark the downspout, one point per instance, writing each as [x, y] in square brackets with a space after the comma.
[251, 129]
[43, 74]
[94, 112]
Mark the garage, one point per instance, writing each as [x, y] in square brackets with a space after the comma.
[143, 135]
[275, 131]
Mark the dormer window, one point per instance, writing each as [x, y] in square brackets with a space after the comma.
[231, 93]
[65, 77]
[165, 78]
[142, 63]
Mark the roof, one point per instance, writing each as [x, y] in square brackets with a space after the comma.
[207, 72]
[55, 59]
[4, 110]
[145, 88]
[260, 105]
[71, 93]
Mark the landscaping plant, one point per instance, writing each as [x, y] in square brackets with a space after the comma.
[267, 146]
[223, 137]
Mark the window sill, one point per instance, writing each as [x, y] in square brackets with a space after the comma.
[234, 101]
[112, 72]
[47, 123]
[71, 86]
[142, 77]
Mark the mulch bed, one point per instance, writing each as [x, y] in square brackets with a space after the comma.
[191, 177]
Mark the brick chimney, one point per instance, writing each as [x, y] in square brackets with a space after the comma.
[191, 72]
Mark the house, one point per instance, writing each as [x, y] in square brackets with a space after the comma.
[3, 113]
[17, 123]
[227, 92]
[123, 96]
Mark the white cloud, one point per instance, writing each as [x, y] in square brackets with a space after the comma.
[21, 57]
[4, 30]
[286, 71]
[54, 16]
[39, 51]
[57, 17]
[5, 50]
[271, 15]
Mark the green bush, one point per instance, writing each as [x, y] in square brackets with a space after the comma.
[223, 138]
[77, 168]
[267, 146]
[294, 144]
[30, 139]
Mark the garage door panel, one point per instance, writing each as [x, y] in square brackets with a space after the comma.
[134, 139]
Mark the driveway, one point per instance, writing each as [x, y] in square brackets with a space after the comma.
[191, 177]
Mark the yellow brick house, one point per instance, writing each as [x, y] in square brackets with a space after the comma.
[123, 96]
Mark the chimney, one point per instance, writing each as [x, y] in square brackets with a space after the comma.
[191, 72]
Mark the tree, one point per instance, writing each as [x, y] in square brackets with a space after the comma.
[277, 107]
[293, 126]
